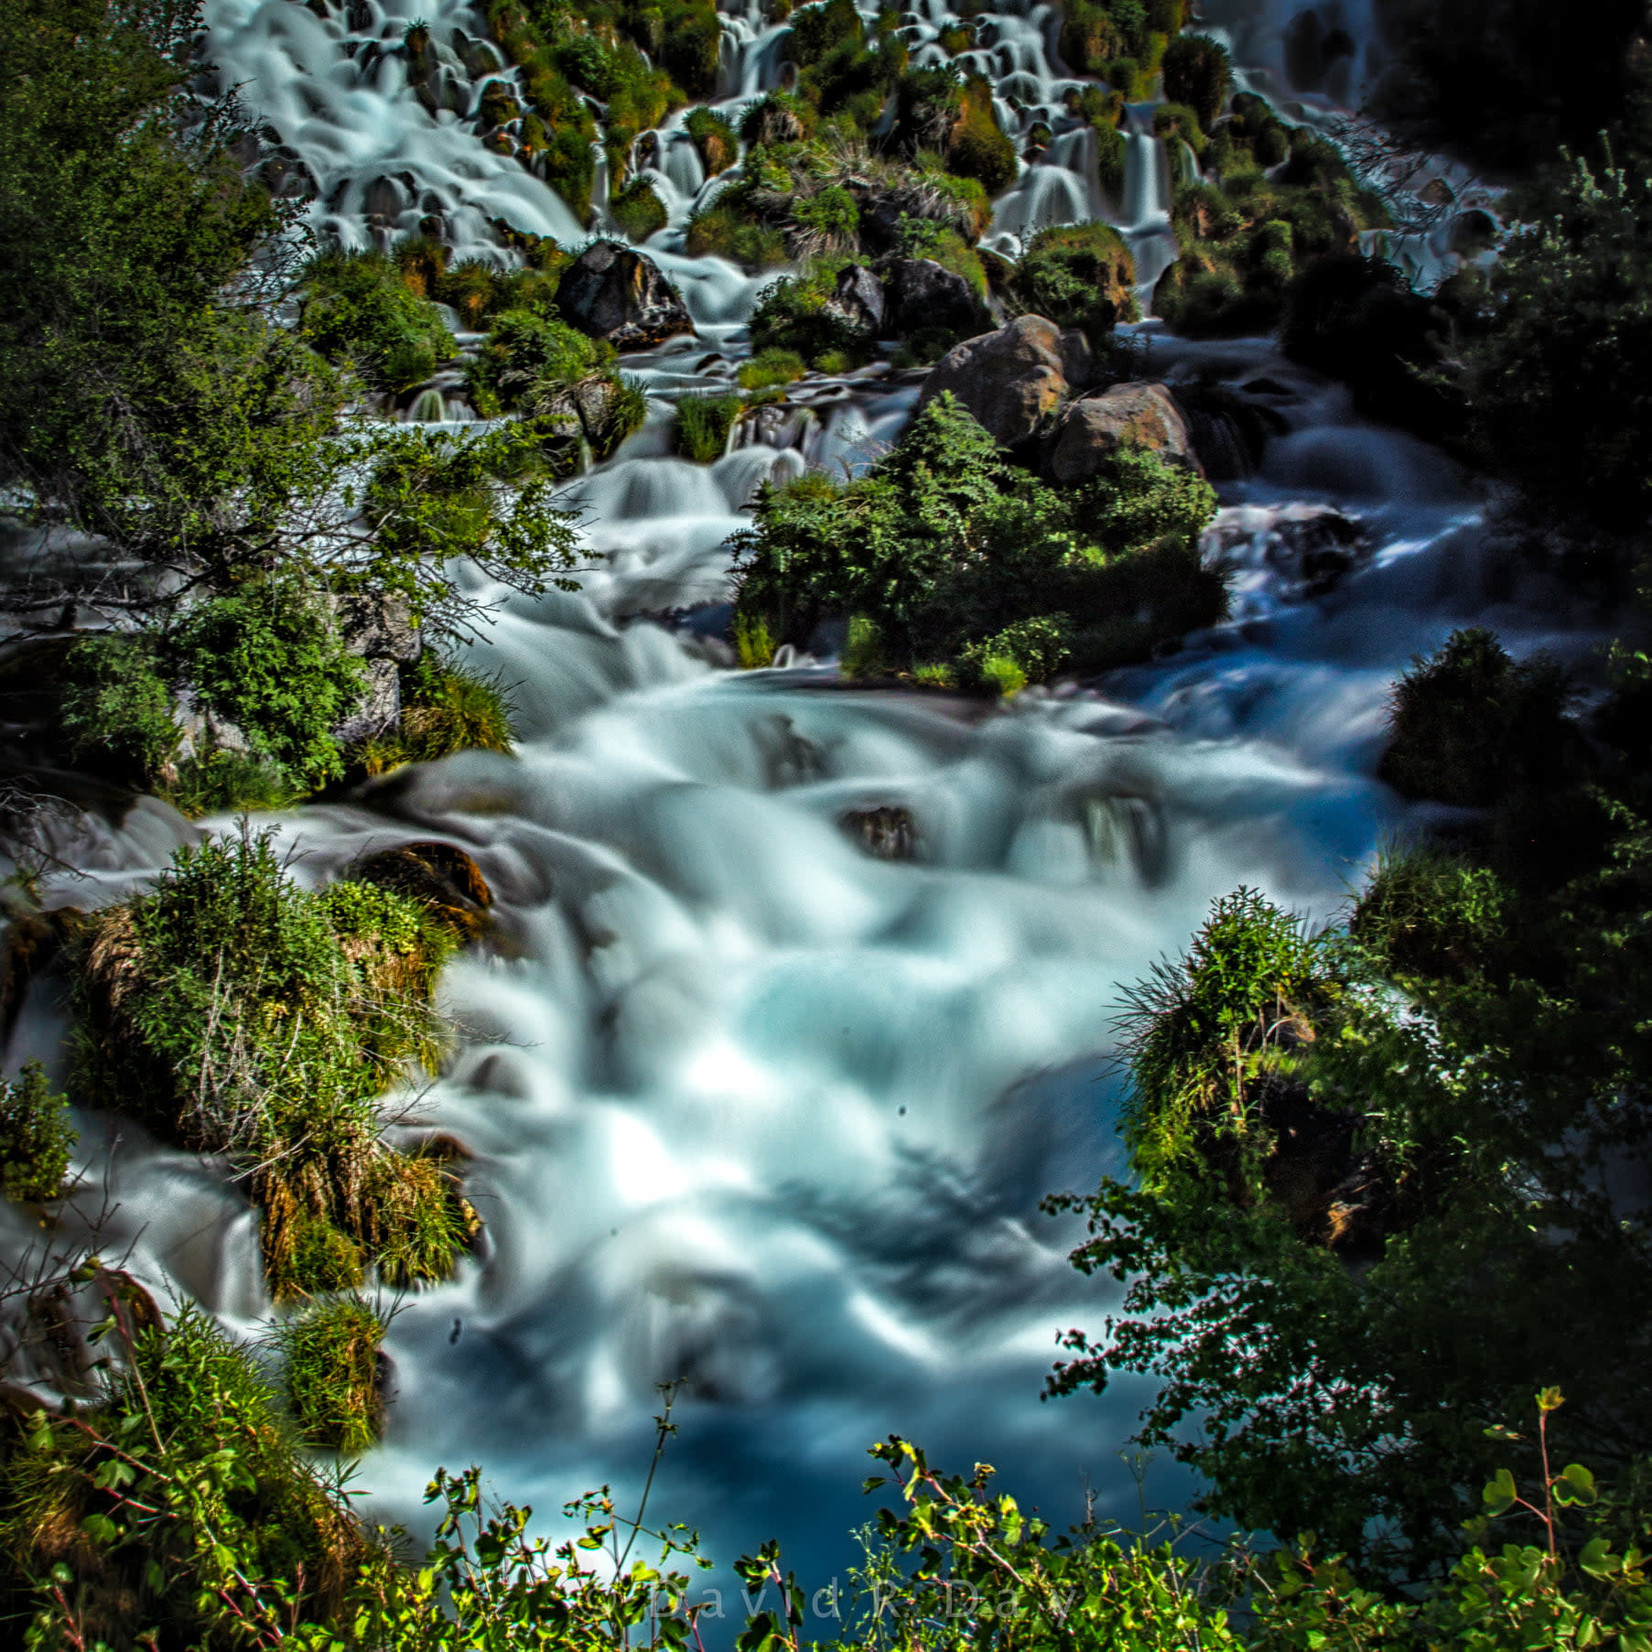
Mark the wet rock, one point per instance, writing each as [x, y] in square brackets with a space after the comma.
[771, 122]
[922, 293]
[1012, 380]
[378, 626]
[441, 876]
[858, 299]
[1289, 555]
[617, 293]
[885, 833]
[1094, 428]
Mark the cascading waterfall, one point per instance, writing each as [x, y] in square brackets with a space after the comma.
[747, 1106]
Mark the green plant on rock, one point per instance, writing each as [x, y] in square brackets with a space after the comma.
[269, 659]
[943, 545]
[447, 708]
[230, 782]
[241, 1015]
[525, 352]
[358, 310]
[714, 140]
[329, 1366]
[771, 369]
[1197, 75]
[791, 315]
[36, 1138]
[704, 423]
[638, 210]
[1079, 275]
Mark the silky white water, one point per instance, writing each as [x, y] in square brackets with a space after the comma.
[747, 1107]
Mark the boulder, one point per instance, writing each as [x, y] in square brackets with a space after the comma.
[1012, 380]
[858, 299]
[885, 833]
[922, 293]
[614, 292]
[1136, 415]
[379, 629]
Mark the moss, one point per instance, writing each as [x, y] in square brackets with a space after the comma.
[714, 140]
[704, 423]
[330, 1358]
[720, 231]
[357, 309]
[638, 210]
[1079, 275]
[36, 1138]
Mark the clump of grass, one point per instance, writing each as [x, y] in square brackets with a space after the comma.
[230, 782]
[36, 1138]
[446, 708]
[1433, 913]
[770, 369]
[753, 643]
[704, 423]
[244, 1016]
[330, 1365]
[638, 210]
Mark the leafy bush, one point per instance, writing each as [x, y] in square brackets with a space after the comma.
[1079, 275]
[358, 309]
[269, 659]
[770, 369]
[791, 315]
[244, 1016]
[329, 1358]
[117, 699]
[638, 210]
[36, 1138]
[943, 545]
[714, 140]
[704, 423]
[526, 351]
[1197, 74]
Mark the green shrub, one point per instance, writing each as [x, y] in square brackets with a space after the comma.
[978, 147]
[241, 1015]
[329, 1356]
[704, 423]
[357, 308]
[790, 315]
[1079, 275]
[527, 353]
[1034, 650]
[1197, 74]
[1118, 557]
[1431, 912]
[268, 657]
[721, 231]
[753, 645]
[638, 210]
[117, 699]
[36, 1138]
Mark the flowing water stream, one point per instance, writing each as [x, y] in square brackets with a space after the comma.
[747, 1106]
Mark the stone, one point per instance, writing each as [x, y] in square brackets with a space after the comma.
[1127, 415]
[886, 833]
[1012, 380]
[380, 707]
[922, 293]
[442, 876]
[377, 625]
[617, 293]
[858, 299]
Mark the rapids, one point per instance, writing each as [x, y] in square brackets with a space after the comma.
[747, 1106]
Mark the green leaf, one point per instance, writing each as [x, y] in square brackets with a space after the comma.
[1575, 1485]
[1500, 1494]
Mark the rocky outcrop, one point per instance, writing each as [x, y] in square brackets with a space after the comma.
[858, 300]
[922, 293]
[616, 293]
[1096, 426]
[379, 630]
[1013, 380]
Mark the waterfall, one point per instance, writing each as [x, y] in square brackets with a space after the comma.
[744, 1104]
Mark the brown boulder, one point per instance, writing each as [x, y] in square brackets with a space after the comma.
[1012, 380]
[1126, 415]
[617, 293]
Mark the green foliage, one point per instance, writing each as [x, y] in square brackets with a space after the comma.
[1078, 275]
[771, 369]
[1030, 651]
[714, 140]
[1197, 75]
[358, 310]
[230, 782]
[117, 700]
[447, 708]
[527, 353]
[1099, 35]
[1557, 393]
[269, 659]
[329, 1359]
[36, 1138]
[638, 210]
[703, 425]
[244, 1016]
[978, 147]
[791, 315]
[753, 645]
[943, 545]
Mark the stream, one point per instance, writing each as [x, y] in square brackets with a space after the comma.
[747, 1106]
